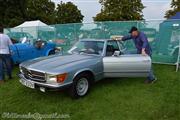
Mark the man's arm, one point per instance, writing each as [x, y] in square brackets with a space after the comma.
[145, 43]
[128, 37]
[9, 41]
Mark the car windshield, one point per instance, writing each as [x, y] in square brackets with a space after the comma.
[87, 47]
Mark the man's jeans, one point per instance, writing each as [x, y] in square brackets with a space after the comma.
[5, 65]
[151, 76]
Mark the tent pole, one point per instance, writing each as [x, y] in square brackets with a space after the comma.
[178, 59]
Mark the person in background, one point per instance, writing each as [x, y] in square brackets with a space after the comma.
[143, 47]
[5, 57]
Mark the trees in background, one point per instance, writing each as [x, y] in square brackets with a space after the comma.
[12, 12]
[43, 10]
[68, 13]
[175, 5]
[15, 12]
[120, 10]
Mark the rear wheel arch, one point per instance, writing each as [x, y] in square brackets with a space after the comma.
[51, 52]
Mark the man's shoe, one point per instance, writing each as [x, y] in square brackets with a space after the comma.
[147, 81]
[150, 81]
[1, 81]
[10, 78]
[153, 81]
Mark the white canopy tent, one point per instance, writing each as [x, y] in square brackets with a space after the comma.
[33, 27]
[37, 23]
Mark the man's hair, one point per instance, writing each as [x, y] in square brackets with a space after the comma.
[133, 29]
[1, 29]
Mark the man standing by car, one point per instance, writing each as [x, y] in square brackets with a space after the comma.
[142, 45]
[5, 58]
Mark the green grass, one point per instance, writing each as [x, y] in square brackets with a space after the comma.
[109, 99]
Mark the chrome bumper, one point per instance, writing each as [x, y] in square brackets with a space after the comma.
[45, 85]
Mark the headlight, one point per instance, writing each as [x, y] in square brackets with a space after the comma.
[57, 78]
[20, 68]
[52, 78]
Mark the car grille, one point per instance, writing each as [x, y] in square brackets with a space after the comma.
[33, 75]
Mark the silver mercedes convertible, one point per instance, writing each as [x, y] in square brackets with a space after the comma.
[88, 61]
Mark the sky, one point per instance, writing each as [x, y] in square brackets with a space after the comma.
[155, 9]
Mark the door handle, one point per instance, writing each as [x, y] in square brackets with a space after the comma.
[146, 60]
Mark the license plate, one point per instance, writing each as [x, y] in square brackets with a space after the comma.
[27, 83]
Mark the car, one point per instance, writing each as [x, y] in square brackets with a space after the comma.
[18, 36]
[21, 52]
[87, 62]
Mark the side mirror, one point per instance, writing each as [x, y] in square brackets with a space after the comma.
[116, 53]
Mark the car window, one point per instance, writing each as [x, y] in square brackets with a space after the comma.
[112, 46]
[121, 45]
[88, 47]
[100, 46]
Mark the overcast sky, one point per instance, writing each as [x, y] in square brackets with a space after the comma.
[155, 9]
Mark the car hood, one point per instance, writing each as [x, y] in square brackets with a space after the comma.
[47, 64]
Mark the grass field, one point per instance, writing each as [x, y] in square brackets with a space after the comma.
[109, 99]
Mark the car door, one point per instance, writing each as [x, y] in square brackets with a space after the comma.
[26, 52]
[134, 65]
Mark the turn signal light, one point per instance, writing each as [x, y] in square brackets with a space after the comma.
[61, 77]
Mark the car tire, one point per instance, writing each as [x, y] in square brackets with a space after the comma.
[80, 86]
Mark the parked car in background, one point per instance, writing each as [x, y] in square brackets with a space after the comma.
[19, 36]
[25, 51]
[88, 61]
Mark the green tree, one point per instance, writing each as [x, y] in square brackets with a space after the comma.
[43, 10]
[120, 10]
[68, 13]
[15, 12]
[175, 7]
[12, 12]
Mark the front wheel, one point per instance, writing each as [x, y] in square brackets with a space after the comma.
[80, 87]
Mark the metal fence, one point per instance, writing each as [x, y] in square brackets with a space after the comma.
[163, 35]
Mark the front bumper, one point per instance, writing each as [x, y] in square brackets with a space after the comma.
[45, 86]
